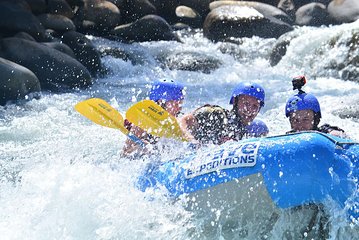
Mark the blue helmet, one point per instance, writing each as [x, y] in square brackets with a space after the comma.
[302, 101]
[257, 128]
[166, 90]
[250, 89]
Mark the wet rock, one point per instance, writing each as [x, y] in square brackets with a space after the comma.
[200, 6]
[55, 70]
[348, 112]
[16, 81]
[280, 48]
[60, 7]
[58, 23]
[101, 16]
[312, 14]
[61, 47]
[85, 52]
[344, 11]
[148, 28]
[166, 9]
[24, 35]
[288, 7]
[266, 10]
[229, 21]
[15, 18]
[189, 16]
[37, 6]
[192, 61]
[135, 9]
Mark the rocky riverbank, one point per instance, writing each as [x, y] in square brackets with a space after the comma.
[43, 43]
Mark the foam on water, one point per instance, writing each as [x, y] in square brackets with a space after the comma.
[62, 177]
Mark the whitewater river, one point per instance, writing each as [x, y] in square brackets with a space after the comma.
[62, 177]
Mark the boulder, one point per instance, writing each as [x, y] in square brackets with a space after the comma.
[15, 18]
[24, 35]
[55, 70]
[56, 22]
[37, 6]
[148, 28]
[166, 9]
[16, 82]
[200, 6]
[266, 10]
[135, 9]
[227, 21]
[61, 47]
[101, 16]
[85, 52]
[60, 7]
[312, 14]
[344, 11]
[191, 61]
[189, 16]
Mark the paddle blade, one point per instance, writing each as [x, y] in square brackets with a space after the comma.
[102, 113]
[154, 119]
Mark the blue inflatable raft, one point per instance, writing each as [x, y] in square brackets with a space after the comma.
[289, 170]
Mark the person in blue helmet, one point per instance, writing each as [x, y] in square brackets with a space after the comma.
[303, 111]
[169, 94]
[257, 128]
[247, 100]
[214, 124]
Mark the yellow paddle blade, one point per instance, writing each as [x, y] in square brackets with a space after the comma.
[102, 113]
[155, 120]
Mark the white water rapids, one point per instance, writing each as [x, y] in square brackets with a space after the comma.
[62, 177]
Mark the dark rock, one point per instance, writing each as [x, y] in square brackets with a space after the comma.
[266, 10]
[61, 47]
[148, 28]
[135, 9]
[55, 70]
[192, 61]
[166, 9]
[58, 23]
[14, 18]
[348, 112]
[200, 6]
[37, 6]
[16, 82]
[344, 11]
[85, 52]
[280, 48]
[60, 7]
[229, 21]
[312, 14]
[76, 3]
[101, 16]
[288, 7]
[189, 16]
[24, 35]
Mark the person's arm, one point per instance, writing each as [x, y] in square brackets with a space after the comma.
[130, 147]
[333, 130]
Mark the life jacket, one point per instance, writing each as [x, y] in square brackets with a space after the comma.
[325, 128]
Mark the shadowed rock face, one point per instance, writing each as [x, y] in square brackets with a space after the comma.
[192, 61]
[313, 14]
[16, 81]
[15, 18]
[343, 11]
[84, 50]
[225, 22]
[55, 70]
[148, 28]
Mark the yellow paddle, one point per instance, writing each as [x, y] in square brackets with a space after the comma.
[155, 120]
[102, 113]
